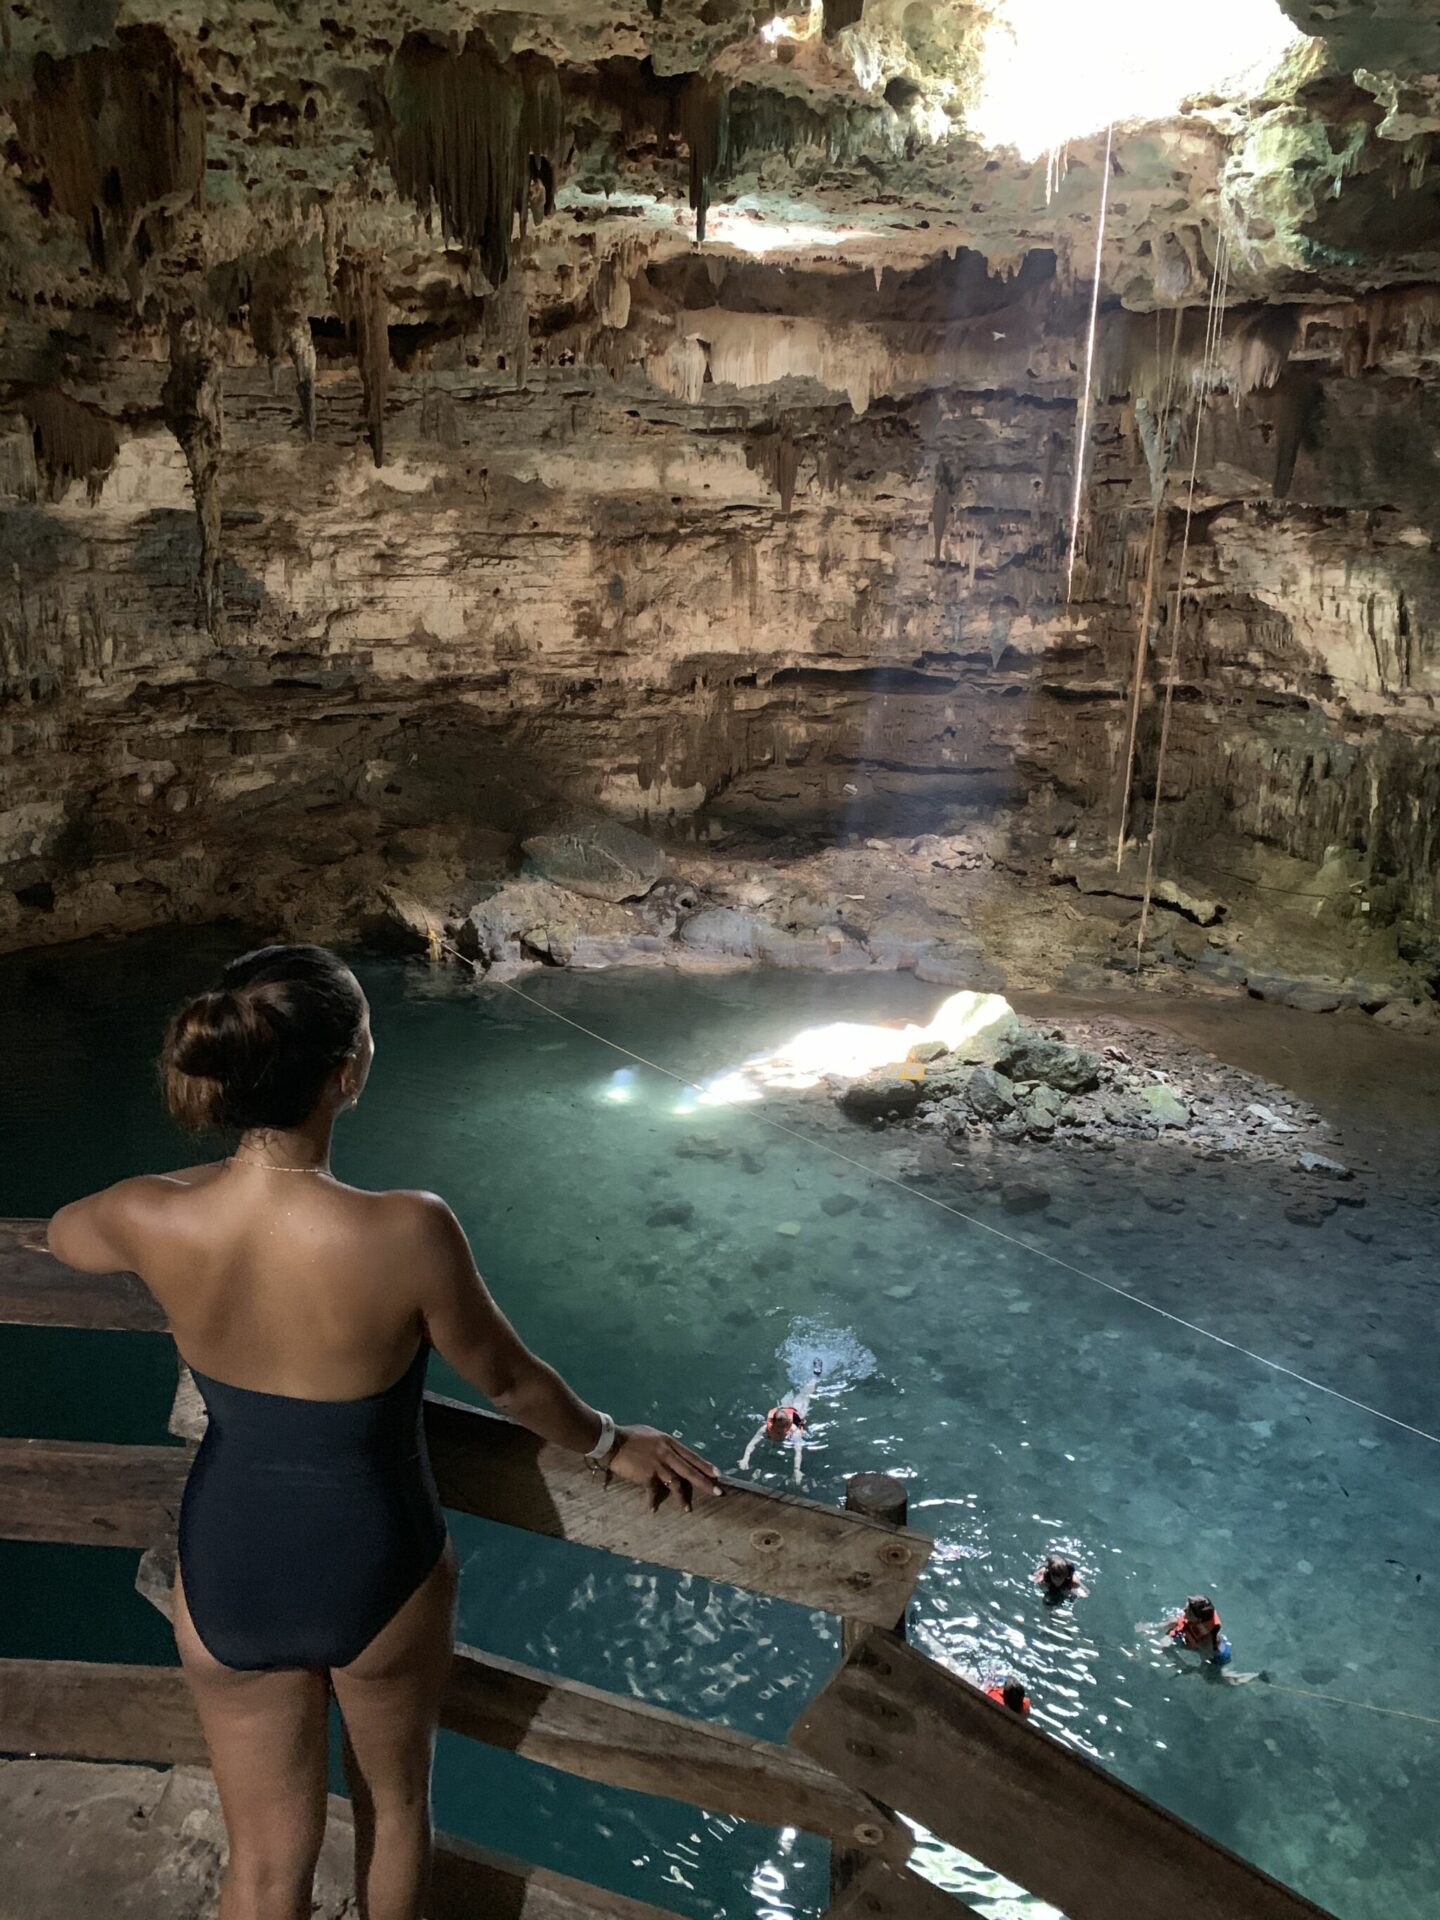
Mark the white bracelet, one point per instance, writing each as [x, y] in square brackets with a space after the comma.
[605, 1445]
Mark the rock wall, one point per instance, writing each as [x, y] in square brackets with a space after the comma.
[751, 612]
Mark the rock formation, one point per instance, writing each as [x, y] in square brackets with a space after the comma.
[385, 457]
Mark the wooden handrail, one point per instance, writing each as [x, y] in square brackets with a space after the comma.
[36, 1291]
[771, 1543]
[622, 1742]
[929, 1743]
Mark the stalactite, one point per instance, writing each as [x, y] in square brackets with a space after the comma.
[470, 134]
[72, 442]
[1260, 347]
[704, 118]
[279, 325]
[776, 455]
[364, 309]
[193, 403]
[120, 133]
[943, 505]
[1299, 398]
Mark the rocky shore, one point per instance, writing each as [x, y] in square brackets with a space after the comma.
[971, 909]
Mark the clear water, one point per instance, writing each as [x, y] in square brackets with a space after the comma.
[1025, 1407]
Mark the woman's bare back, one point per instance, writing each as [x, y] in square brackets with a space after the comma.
[281, 1282]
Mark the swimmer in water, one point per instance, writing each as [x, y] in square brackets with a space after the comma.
[1059, 1580]
[1011, 1693]
[786, 1425]
[1197, 1630]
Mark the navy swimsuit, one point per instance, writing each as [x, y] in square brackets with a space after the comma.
[307, 1524]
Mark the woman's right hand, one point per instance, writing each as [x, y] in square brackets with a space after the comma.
[662, 1464]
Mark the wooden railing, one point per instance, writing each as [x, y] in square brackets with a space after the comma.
[890, 1729]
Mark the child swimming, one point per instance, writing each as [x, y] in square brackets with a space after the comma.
[1011, 1693]
[1059, 1580]
[1197, 1630]
[787, 1424]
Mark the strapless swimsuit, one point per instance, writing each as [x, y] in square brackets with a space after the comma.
[307, 1524]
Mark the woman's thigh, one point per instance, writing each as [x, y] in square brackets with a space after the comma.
[268, 1735]
[389, 1697]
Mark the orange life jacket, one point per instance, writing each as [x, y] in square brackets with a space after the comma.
[997, 1694]
[779, 1422]
[1196, 1633]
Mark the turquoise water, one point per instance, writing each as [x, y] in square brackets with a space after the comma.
[665, 1257]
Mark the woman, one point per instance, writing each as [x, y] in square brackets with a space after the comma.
[313, 1553]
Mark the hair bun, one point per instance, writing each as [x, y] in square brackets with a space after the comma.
[258, 1050]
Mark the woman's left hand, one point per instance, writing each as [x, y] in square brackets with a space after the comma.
[662, 1464]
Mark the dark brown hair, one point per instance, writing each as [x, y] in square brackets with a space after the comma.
[258, 1048]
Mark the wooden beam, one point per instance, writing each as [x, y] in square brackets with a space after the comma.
[765, 1542]
[883, 1892]
[472, 1883]
[36, 1291]
[919, 1738]
[82, 1710]
[621, 1742]
[90, 1493]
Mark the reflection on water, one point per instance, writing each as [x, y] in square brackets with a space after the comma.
[683, 1264]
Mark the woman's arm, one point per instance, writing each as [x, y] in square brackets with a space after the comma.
[92, 1234]
[470, 1331]
[97, 1234]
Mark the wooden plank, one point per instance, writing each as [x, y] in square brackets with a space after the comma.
[36, 1291]
[880, 1496]
[921, 1739]
[621, 1742]
[81, 1710]
[766, 1542]
[472, 1883]
[627, 1743]
[884, 1892]
[90, 1493]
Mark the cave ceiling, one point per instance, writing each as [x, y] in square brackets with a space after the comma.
[268, 164]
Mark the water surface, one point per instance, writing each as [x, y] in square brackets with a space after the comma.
[677, 1261]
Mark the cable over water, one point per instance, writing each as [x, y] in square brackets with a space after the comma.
[958, 1213]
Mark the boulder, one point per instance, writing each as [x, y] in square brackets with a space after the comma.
[1030, 1056]
[989, 1094]
[881, 1095]
[600, 859]
[1165, 1106]
[1024, 1198]
[1329, 1169]
[924, 1052]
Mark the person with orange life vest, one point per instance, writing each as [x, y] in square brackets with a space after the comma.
[787, 1424]
[1197, 1630]
[1011, 1693]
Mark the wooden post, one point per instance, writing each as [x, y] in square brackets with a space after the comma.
[878, 1496]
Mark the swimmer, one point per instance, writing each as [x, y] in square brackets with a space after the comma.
[1059, 1580]
[786, 1425]
[1011, 1693]
[1197, 1630]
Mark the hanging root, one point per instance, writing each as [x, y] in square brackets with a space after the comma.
[1082, 437]
[1215, 326]
[1158, 479]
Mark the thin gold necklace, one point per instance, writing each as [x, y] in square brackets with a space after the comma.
[274, 1166]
